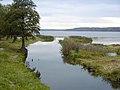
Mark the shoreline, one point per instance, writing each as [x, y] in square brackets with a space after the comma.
[93, 57]
[14, 74]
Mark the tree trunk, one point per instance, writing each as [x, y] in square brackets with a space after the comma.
[23, 42]
[23, 34]
[14, 38]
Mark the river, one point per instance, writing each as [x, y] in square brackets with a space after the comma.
[47, 59]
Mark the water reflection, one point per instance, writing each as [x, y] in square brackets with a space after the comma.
[46, 58]
[115, 85]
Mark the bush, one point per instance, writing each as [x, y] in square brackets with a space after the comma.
[118, 52]
[68, 46]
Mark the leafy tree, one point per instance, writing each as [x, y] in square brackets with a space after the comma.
[3, 12]
[1, 20]
[23, 20]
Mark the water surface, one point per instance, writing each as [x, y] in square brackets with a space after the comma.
[98, 37]
[58, 75]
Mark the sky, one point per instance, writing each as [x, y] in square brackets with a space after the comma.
[66, 14]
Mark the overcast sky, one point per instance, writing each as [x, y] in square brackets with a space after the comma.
[62, 14]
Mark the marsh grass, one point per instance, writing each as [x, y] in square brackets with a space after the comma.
[46, 38]
[93, 57]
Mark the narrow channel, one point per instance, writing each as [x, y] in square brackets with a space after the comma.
[47, 59]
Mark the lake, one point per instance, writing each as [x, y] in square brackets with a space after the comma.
[47, 59]
[98, 37]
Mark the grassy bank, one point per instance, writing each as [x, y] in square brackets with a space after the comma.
[93, 57]
[13, 73]
[46, 38]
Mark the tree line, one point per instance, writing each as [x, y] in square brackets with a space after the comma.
[19, 19]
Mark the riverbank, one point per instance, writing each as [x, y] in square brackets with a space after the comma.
[93, 57]
[13, 73]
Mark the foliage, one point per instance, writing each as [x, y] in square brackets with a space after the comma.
[22, 20]
[3, 12]
[118, 52]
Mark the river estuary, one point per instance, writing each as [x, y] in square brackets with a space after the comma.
[46, 57]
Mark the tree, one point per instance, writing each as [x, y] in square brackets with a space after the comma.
[1, 20]
[23, 20]
[3, 12]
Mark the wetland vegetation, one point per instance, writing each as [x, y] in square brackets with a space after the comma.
[93, 57]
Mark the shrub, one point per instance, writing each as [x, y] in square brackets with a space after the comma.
[118, 52]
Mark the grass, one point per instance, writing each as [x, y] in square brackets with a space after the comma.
[80, 39]
[93, 57]
[74, 43]
[46, 38]
[13, 73]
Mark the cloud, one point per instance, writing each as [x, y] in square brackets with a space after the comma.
[78, 13]
[50, 23]
[112, 19]
[81, 10]
[73, 25]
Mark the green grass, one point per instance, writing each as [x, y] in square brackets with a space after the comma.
[13, 73]
[46, 38]
[93, 57]
[80, 39]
